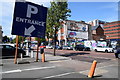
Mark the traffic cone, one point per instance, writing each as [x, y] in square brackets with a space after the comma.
[92, 70]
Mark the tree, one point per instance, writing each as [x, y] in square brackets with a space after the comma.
[20, 39]
[5, 39]
[58, 11]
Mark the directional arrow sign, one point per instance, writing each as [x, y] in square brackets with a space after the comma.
[29, 20]
[29, 30]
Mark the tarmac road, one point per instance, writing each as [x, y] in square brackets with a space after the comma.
[68, 64]
[87, 56]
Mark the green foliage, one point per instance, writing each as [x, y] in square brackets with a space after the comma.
[58, 11]
[20, 39]
[41, 39]
[5, 39]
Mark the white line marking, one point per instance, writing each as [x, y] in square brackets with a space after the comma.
[38, 68]
[59, 75]
[12, 71]
[73, 72]
[18, 70]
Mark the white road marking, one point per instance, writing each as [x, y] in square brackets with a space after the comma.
[12, 71]
[18, 70]
[38, 68]
[73, 72]
[59, 75]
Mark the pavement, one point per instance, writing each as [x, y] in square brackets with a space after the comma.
[66, 67]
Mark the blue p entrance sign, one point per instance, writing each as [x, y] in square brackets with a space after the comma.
[29, 20]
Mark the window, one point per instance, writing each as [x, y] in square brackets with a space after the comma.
[9, 47]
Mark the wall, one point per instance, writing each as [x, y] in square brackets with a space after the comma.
[112, 30]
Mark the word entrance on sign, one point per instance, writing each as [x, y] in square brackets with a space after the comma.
[29, 21]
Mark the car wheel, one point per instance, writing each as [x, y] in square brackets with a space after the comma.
[106, 51]
[84, 49]
[119, 56]
[95, 50]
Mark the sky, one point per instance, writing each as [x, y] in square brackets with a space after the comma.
[88, 11]
[85, 11]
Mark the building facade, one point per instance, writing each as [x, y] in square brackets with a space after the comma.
[97, 22]
[112, 31]
[98, 33]
[74, 31]
[97, 29]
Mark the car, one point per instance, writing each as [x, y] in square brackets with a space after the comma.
[8, 50]
[67, 47]
[57, 47]
[49, 46]
[103, 49]
[117, 52]
[82, 48]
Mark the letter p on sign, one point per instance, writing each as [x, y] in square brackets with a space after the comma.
[31, 10]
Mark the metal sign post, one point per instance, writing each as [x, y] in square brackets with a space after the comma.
[16, 52]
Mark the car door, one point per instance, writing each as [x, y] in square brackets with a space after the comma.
[4, 51]
[99, 48]
[9, 50]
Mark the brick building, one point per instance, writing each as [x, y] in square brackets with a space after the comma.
[98, 33]
[97, 29]
[112, 31]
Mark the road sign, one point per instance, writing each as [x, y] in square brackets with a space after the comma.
[29, 20]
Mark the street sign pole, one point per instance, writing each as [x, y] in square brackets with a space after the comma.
[16, 52]
[37, 49]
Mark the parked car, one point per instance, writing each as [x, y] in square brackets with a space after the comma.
[103, 49]
[82, 48]
[49, 46]
[57, 47]
[117, 52]
[8, 50]
[67, 47]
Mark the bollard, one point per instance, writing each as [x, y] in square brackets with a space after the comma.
[32, 54]
[92, 69]
[21, 56]
[43, 57]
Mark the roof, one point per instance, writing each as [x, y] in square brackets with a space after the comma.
[95, 27]
[112, 23]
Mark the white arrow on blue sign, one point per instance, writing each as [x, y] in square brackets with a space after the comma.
[29, 30]
[29, 20]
